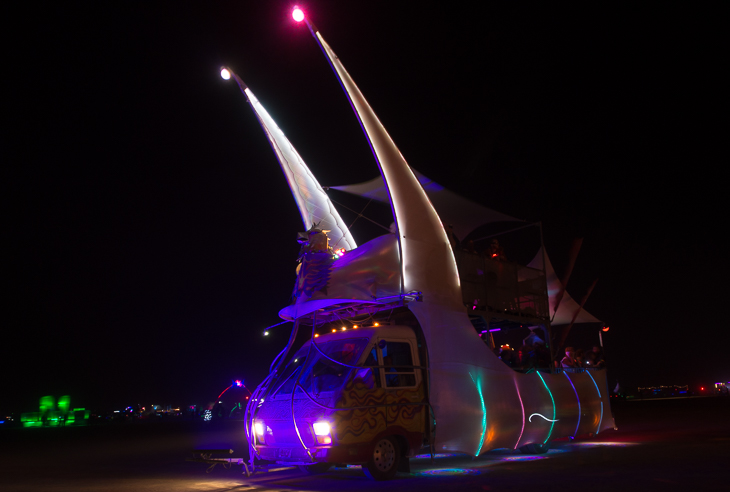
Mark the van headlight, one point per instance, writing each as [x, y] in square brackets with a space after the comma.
[258, 427]
[322, 432]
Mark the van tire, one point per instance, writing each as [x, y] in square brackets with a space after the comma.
[315, 469]
[384, 461]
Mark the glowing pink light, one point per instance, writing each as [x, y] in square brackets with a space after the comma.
[297, 14]
[523, 415]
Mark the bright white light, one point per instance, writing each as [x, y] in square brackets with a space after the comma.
[225, 74]
[259, 427]
[298, 14]
[266, 333]
[321, 428]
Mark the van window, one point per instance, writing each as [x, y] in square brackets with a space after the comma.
[398, 363]
[321, 374]
[372, 360]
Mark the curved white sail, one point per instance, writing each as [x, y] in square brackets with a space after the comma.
[454, 349]
[422, 237]
[314, 205]
[464, 214]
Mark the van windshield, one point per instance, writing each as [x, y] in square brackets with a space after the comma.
[321, 374]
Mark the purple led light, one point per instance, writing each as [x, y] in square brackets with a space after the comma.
[496, 329]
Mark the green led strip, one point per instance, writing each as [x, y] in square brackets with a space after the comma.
[552, 424]
[484, 414]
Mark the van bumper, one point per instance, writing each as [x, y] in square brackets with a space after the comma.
[351, 454]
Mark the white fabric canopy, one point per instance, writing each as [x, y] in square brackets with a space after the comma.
[464, 214]
[568, 306]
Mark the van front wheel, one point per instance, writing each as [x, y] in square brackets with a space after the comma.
[384, 461]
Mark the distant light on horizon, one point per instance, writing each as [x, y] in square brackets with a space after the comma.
[225, 73]
[298, 14]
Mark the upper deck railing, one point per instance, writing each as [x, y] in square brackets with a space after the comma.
[502, 287]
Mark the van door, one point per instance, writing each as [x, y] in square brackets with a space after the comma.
[403, 384]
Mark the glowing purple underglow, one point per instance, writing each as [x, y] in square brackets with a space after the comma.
[597, 444]
[524, 458]
[439, 455]
[451, 471]
[297, 14]
[496, 329]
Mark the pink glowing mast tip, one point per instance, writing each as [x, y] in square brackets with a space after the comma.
[298, 14]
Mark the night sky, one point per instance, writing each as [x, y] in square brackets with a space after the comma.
[149, 233]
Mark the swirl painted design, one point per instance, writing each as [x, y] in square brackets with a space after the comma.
[363, 424]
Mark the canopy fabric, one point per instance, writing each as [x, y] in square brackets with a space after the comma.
[568, 306]
[464, 214]
[314, 205]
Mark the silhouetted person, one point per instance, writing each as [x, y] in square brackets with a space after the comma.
[495, 251]
[596, 358]
[569, 359]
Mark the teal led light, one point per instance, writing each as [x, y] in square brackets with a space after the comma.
[599, 397]
[484, 414]
[552, 424]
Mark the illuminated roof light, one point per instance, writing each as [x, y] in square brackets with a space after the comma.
[376, 324]
[344, 328]
[334, 330]
[225, 73]
[316, 335]
[354, 327]
[297, 14]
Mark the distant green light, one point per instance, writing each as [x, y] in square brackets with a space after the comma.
[64, 403]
